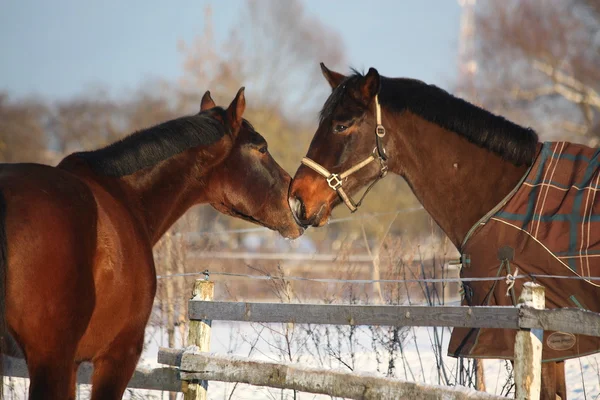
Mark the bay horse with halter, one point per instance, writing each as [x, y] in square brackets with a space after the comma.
[485, 181]
[78, 275]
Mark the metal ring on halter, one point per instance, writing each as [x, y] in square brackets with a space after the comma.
[380, 130]
[337, 182]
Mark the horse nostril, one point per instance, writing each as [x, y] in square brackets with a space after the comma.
[298, 209]
[301, 209]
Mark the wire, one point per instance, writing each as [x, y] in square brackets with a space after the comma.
[327, 280]
[207, 274]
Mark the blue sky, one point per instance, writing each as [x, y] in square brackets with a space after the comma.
[60, 48]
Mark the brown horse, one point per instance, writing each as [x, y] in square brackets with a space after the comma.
[77, 238]
[460, 160]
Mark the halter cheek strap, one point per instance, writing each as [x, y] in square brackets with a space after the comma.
[335, 181]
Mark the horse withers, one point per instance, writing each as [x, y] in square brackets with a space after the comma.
[505, 200]
[76, 265]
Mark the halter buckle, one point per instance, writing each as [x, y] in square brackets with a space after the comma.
[380, 130]
[334, 181]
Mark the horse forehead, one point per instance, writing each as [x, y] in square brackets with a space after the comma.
[250, 136]
[344, 108]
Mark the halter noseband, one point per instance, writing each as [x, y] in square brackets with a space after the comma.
[335, 181]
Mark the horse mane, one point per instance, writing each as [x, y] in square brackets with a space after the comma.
[495, 133]
[150, 146]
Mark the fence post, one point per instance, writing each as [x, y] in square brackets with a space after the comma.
[528, 348]
[199, 335]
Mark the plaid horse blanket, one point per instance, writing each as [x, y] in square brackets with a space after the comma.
[548, 225]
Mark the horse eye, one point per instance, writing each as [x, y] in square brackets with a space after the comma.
[263, 150]
[340, 128]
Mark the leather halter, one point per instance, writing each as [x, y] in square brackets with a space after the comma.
[335, 181]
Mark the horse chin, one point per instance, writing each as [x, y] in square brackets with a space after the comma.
[292, 229]
[292, 233]
[322, 222]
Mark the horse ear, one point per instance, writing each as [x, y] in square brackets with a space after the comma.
[369, 86]
[207, 101]
[334, 78]
[235, 111]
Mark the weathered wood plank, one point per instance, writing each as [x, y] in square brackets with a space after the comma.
[571, 320]
[528, 348]
[169, 356]
[166, 379]
[350, 385]
[475, 317]
[199, 335]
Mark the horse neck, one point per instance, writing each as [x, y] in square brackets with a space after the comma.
[161, 194]
[456, 181]
[158, 195]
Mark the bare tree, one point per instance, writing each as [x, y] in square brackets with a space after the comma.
[85, 123]
[157, 102]
[274, 49]
[22, 136]
[537, 61]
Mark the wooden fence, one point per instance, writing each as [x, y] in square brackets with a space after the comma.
[530, 319]
[194, 366]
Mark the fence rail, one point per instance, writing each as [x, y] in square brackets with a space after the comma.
[196, 366]
[162, 378]
[571, 320]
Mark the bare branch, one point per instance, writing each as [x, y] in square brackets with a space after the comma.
[569, 87]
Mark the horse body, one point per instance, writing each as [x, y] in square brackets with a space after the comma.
[459, 160]
[80, 276]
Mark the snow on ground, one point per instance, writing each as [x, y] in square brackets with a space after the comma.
[583, 375]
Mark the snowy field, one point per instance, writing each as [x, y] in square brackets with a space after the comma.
[583, 375]
[263, 342]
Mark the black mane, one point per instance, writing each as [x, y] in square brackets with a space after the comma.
[148, 147]
[510, 141]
